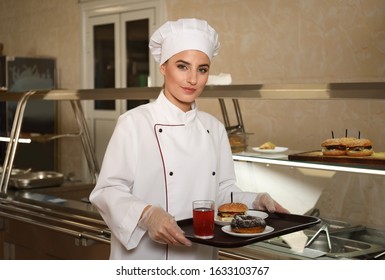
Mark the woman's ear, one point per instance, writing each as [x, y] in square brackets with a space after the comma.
[162, 69]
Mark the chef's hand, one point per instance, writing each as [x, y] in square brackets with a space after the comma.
[263, 201]
[162, 227]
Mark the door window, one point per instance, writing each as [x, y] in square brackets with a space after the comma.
[116, 56]
[104, 62]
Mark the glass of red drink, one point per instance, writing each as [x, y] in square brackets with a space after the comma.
[203, 218]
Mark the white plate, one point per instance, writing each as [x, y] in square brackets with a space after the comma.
[257, 213]
[270, 151]
[221, 223]
[227, 229]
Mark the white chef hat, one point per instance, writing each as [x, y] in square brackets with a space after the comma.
[183, 34]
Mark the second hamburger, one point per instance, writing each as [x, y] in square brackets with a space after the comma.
[359, 148]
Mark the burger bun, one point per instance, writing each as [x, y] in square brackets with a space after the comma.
[333, 152]
[227, 211]
[362, 153]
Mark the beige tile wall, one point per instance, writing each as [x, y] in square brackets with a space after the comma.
[263, 41]
[291, 41]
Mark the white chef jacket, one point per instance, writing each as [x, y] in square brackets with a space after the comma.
[162, 156]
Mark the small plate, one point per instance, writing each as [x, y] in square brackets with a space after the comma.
[227, 229]
[271, 151]
[257, 213]
[221, 223]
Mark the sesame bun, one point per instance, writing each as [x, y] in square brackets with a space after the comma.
[233, 207]
[347, 140]
[227, 211]
[362, 153]
[362, 142]
[331, 142]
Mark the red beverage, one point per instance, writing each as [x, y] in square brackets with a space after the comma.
[203, 219]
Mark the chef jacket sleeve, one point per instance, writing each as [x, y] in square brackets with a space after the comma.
[112, 194]
[227, 177]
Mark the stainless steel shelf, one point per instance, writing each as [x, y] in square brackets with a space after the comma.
[16, 127]
[309, 165]
[364, 91]
[375, 90]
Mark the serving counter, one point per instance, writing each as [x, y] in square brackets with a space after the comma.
[53, 223]
[60, 223]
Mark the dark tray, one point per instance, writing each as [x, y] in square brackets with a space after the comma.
[282, 224]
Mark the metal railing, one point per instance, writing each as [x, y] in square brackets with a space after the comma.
[85, 230]
[15, 134]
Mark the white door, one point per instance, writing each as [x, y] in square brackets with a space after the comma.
[117, 56]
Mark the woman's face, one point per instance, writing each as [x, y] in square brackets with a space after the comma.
[185, 76]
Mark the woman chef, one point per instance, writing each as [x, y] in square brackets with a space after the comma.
[165, 154]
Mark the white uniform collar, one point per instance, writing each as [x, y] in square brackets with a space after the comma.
[173, 114]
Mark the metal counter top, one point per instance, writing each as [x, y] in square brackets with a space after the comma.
[65, 209]
[62, 209]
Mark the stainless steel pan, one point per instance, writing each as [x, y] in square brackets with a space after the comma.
[39, 179]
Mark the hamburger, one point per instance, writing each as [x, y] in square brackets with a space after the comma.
[359, 148]
[227, 211]
[336, 146]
